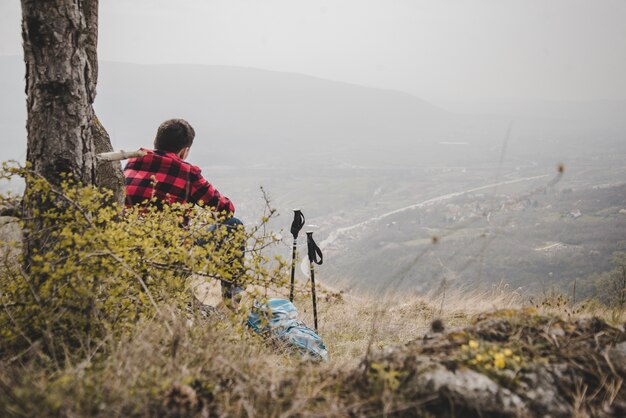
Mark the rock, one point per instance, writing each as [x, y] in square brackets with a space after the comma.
[542, 392]
[556, 360]
[472, 392]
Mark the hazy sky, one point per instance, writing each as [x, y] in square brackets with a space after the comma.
[435, 49]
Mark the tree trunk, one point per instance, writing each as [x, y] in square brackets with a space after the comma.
[108, 174]
[60, 40]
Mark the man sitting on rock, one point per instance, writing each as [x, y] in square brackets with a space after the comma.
[164, 174]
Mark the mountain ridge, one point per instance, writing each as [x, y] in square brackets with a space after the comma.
[278, 117]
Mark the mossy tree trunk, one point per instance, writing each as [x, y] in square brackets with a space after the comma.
[60, 41]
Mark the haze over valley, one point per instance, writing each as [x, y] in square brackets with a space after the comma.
[379, 173]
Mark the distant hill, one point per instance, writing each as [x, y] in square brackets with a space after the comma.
[248, 116]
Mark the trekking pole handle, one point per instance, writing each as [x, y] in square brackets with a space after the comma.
[315, 253]
[315, 257]
[296, 226]
[298, 222]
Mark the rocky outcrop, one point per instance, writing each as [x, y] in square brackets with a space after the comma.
[507, 364]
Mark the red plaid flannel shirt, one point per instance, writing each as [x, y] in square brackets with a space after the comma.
[164, 175]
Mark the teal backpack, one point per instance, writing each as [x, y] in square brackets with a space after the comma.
[279, 319]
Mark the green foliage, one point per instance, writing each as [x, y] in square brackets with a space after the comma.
[92, 270]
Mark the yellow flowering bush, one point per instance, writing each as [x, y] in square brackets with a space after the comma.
[93, 269]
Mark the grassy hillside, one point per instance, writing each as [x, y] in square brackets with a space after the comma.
[149, 350]
[185, 364]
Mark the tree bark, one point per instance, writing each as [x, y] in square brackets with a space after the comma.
[60, 41]
[60, 51]
[108, 174]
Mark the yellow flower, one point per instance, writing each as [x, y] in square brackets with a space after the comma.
[507, 352]
[464, 348]
[499, 362]
[479, 357]
[473, 344]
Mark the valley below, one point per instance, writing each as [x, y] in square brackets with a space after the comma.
[525, 226]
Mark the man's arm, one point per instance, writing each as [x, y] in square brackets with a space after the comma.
[202, 190]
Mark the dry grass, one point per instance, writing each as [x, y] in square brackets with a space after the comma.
[350, 324]
[183, 364]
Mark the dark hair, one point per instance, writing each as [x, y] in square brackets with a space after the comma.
[173, 135]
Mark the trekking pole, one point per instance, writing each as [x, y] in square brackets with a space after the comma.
[296, 226]
[315, 256]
